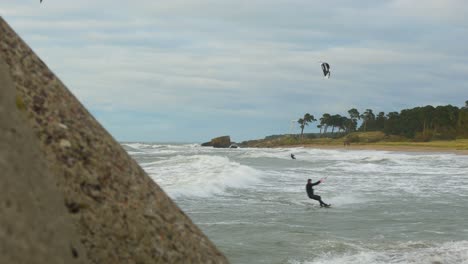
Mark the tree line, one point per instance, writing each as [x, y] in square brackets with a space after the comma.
[419, 123]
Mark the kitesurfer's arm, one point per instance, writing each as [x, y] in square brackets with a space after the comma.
[316, 183]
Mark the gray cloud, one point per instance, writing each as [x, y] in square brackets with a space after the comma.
[250, 65]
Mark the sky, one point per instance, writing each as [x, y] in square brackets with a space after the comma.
[188, 71]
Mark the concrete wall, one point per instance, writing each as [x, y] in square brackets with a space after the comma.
[115, 210]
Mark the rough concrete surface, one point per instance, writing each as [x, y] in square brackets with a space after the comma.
[34, 225]
[118, 213]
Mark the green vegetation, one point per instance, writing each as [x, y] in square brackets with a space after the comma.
[376, 139]
[308, 118]
[443, 127]
[420, 124]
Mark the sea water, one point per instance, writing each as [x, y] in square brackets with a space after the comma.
[387, 207]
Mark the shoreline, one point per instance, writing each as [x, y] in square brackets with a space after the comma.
[422, 149]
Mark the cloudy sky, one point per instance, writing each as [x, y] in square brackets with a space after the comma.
[187, 71]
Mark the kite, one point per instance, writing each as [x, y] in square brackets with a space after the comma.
[325, 69]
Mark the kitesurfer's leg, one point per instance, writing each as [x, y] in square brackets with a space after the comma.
[322, 203]
[317, 198]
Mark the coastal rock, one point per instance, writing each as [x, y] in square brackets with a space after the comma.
[219, 142]
[110, 210]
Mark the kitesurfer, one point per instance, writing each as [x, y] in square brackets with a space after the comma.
[310, 192]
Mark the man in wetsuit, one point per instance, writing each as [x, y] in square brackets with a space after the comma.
[310, 192]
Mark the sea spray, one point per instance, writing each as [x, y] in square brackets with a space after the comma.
[388, 207]
[201, 175]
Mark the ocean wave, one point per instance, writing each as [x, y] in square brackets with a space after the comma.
[137, 146]
[267, 153]
[201, 175]
[150, 146]
[407, 252]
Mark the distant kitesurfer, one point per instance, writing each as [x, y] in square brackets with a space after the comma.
[292, 156]
[310, 192]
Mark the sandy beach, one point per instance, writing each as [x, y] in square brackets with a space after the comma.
[424, 149]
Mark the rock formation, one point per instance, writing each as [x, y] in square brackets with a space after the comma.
[219, 142]
[55, 156]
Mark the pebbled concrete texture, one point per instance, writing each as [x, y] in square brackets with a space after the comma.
[117, 212]
[34, 225]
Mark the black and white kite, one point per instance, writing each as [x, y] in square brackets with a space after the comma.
[325, 69]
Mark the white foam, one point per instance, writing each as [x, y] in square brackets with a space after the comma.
[137, 146]
[201, 175]
[345, 199]
[365, 172]
[152, 148]
[268, 153]
[409, 252]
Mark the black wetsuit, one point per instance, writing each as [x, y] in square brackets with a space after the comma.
[310, 193]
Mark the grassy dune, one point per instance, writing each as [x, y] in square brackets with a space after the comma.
[364, 140]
